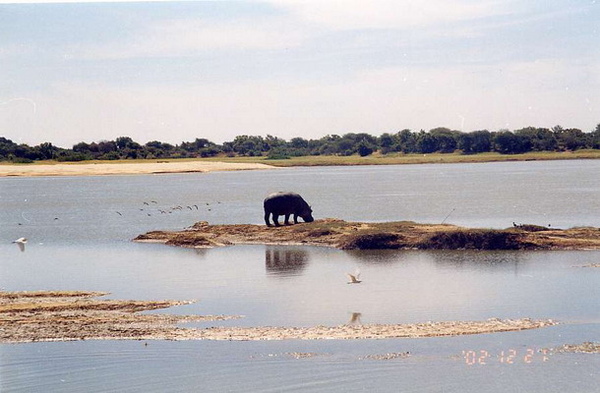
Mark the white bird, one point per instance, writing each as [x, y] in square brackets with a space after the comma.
[354, 278]
[21, 243]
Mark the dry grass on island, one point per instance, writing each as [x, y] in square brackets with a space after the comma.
[67, 316]
[389, 235]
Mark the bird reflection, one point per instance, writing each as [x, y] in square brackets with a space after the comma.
[21, 243]
[284, 260]
[355, 319]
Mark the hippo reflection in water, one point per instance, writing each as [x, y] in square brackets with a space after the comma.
[286, 203]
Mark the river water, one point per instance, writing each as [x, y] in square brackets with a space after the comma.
[79, 231]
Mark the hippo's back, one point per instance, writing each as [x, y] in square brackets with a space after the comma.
[282, 199]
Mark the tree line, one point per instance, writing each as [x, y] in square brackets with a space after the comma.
[441, 140]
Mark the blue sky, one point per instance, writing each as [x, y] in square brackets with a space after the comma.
[176, 71]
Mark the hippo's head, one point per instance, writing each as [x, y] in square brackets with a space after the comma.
[307, 214]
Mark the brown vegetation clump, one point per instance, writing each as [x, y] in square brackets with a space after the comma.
[533, 228]
[372, 241]
[475, 240]
[199, 241]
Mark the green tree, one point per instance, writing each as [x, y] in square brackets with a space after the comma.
[124, 142]
[81, 147]
[159, 149]
[47, 150]
[105, 147]
[387, 143]
[466, 142]
[538, 139]
[506, 142]
[274, 142]
[446, 140]
[426, 143]
[364, 149]
[482, 141]
[595, 138]
[7, 148]
[246, 145]
[406, 141]
[571, 138]
[344, 147]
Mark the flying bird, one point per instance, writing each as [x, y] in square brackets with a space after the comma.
[354, 278]
[355, 319]
[21, 243]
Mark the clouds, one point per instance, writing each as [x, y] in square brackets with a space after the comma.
[293, 24]
[389, 14]
[188, 37]
[177, 71]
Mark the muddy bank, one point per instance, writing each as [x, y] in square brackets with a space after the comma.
[67, 316]
[391, 235]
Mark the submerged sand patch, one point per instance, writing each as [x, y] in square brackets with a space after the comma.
[77, 315]
[66, 316]
[373, 331]
[586, 347]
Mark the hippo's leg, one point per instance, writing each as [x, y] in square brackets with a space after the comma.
[295, 218]
[267, 214]
[287, 219]
[276, 219]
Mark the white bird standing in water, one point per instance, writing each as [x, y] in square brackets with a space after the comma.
[354, 278]
[21, 243]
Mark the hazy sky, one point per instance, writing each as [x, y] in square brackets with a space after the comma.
[176, 71]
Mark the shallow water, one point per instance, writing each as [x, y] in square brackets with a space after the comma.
[78, 241]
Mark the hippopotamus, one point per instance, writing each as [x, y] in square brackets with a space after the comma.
[286, 203]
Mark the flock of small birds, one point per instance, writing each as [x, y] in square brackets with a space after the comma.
[151, 208]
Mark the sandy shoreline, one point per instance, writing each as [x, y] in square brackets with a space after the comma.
[121, 168]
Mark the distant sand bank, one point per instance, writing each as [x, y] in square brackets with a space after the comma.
[121, 168]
